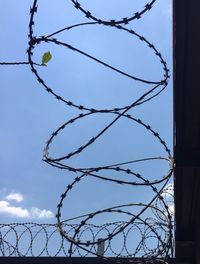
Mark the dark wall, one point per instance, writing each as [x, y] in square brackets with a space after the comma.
[187, 128]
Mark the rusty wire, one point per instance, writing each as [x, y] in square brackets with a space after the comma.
[158, 225]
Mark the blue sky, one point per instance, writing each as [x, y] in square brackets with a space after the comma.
[30, 189]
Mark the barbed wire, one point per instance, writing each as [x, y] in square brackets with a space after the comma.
[153, 220]
[113, 22]
[38, 239]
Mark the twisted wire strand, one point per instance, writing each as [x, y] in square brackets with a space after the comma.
[158, 225]
[17, 63]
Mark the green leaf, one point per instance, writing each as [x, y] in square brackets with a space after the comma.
[46, 58]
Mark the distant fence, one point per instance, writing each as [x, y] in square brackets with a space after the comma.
[145, 237]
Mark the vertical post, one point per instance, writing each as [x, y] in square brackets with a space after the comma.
[100, 247]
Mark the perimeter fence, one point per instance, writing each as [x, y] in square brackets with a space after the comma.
[147, 230]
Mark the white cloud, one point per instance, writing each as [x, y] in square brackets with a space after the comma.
[168, 195]
[17, 211]
[171, 209]
[38, 213]
[168, 191]
[34, 212]
[6, 208]
[18, 197]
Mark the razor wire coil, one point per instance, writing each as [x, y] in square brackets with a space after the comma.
[159, 228]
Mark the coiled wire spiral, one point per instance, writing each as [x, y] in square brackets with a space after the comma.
[153, 220]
